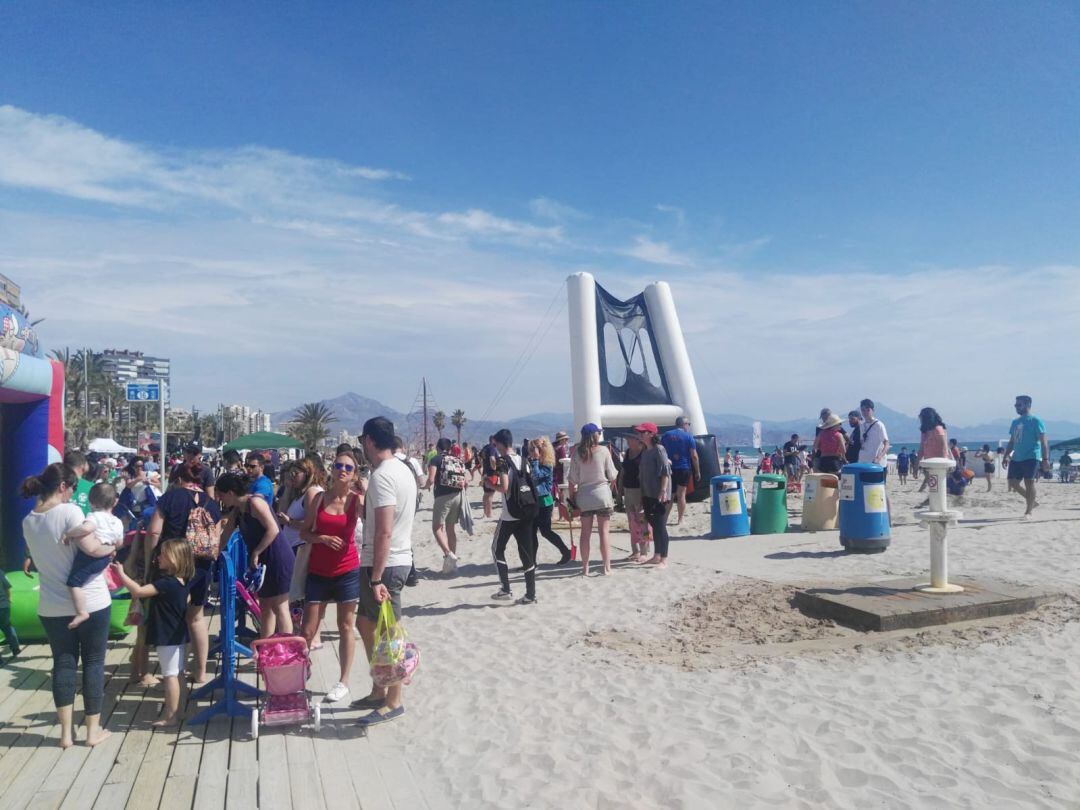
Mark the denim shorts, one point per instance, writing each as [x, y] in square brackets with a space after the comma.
[342, 588]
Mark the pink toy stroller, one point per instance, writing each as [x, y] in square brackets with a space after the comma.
[285, 667]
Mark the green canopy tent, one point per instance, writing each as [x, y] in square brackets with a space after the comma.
[264, 440]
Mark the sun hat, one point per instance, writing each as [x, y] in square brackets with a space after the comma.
[646, 427]
[589, 428]
[560, 435]
[831, 422]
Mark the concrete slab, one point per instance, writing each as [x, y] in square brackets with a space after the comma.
[896, 605]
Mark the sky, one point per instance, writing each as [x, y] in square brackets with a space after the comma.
[291, 201]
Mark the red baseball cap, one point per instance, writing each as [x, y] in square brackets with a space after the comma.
[646, 427]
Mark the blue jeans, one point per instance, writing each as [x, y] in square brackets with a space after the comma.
[87, 641]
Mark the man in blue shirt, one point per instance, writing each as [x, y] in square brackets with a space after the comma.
[682, 452]
[1028, 450]
[260, 484]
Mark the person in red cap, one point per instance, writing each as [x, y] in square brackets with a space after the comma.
[655, 475]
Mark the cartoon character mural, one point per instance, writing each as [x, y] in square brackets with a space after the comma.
[31, 424]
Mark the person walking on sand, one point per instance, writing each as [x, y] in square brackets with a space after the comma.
[447, 477]
[541, 463]
[592, 472]
[655, 474]
[1027, 452]
[386, 556]
[682, 452]
[509, 526]
[986, 455]
[903, 462]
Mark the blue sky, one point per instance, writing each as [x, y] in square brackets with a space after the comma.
[383, 191]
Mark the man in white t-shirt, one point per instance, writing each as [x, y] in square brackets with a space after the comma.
[875, 439]
[386, 555]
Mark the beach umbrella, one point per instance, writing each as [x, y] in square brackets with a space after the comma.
[109, 446]
[263, 440]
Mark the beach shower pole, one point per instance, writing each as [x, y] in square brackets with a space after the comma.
[938, 519]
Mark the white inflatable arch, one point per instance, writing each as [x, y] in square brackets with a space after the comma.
[628, 360]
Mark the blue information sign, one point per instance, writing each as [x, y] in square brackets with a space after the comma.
[143, 392]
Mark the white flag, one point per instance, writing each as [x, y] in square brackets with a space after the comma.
[757, 435]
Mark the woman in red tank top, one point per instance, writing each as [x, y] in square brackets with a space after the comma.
[334, 564]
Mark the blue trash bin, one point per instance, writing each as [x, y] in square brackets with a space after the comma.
[729, 518]
[864, 509]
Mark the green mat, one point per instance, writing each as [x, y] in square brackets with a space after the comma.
[24, 605]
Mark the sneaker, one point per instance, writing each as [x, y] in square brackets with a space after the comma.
[339, 692]
[449, 563]
[565, 558]
[502, 595]
[526, 600]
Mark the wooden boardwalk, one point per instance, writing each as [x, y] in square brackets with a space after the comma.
[209, 766]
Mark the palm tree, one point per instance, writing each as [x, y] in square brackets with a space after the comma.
[311, 424]
[458, 420]
[438, 419]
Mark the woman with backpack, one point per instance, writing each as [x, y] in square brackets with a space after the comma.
[267, 545]
[592, 472]
[446, 476]
[170, 522]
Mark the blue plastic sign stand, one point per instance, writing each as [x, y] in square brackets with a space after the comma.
[226, 680]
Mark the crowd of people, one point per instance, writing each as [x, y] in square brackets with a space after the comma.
[340, 531]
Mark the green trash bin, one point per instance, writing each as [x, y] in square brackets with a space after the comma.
[768, 515]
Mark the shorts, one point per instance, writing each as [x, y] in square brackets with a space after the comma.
[393, 578]
[342, 588]
[1023, 469]
[490, 482]
[988, 468]
[446, 510]
[171, 659]
[200, 582]
[603, 511]
[85, 568]
[680, 478]
[830, 464]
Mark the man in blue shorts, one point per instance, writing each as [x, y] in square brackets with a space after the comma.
[1028, 450]
[682, 452]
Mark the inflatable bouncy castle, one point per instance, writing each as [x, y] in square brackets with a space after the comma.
[629, 364]
[31, 424]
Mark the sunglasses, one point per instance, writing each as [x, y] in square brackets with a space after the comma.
[346, 467]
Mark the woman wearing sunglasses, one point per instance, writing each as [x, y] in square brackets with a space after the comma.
[334, 564]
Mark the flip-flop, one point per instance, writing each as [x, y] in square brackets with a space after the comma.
[369, 702]
[377, 717]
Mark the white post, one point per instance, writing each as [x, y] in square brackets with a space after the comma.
[584, 350]
[161, 411]
[672, 350]
[938, 519]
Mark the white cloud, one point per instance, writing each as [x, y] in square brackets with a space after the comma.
[481, 222]
[547, 208]
[646, 250]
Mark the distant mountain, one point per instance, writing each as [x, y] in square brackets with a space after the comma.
[352, 410]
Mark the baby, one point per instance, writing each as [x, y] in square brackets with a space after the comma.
[109, 531]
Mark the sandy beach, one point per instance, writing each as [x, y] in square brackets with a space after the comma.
[700, 686]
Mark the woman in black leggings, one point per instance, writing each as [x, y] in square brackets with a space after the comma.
[541, 462]
[655, 490]
[54, 515]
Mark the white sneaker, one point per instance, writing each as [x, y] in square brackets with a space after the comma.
[339, 692]
[449, 563]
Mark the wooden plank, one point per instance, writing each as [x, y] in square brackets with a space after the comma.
[243, 786]
[331, 764]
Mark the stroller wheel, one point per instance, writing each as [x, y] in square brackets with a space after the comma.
[318, 718]
[254, 724]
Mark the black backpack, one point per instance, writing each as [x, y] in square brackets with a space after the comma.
[521, 500]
